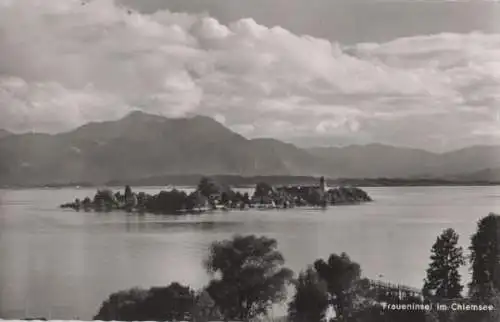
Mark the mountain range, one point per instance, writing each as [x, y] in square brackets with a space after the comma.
[377, 160]
[142, 145]
[492, 175]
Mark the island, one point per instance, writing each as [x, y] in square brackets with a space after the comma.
[209, 195]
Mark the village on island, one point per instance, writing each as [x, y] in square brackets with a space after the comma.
[210, 195]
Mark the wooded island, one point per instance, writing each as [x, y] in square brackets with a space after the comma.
[210, 195]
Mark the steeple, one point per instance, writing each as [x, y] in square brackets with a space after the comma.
[322, 184]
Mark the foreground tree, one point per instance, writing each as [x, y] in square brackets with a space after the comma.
[375, 313]
[443, 278]
[172, 303]
[342, 277]
[480, 316]
[123, 306]
[485, 258]
[250, 276]
[310, 301]
[205, 309]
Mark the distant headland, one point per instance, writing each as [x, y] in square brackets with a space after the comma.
[191, 180]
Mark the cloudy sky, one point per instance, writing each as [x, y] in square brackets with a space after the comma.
[323, 72]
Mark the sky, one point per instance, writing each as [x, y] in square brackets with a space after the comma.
[422, 74]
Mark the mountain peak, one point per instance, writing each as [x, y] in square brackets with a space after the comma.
[140, 115]
[203, 118]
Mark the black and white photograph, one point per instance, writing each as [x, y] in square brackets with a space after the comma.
[250, 160]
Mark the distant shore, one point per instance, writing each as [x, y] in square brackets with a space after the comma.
[249, 182]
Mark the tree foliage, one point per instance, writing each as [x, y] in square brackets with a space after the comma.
[263, 189]
[310, 301]
[128, 191]
[105, 197]
[205, 308]
[167, 202]
[314, 197]
[174, 302]
[342, 277]
[485, 257]
[207, 187]
[375, 313]
[443, 278]
[123, 306]
[249, 276]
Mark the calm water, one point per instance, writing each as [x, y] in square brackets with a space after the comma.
[63, 264]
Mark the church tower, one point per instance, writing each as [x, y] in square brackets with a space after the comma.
[322, 191]
[322, 185]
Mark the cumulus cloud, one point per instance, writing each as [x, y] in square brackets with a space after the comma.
[67, 62]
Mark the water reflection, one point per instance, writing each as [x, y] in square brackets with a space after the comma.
[141, 224]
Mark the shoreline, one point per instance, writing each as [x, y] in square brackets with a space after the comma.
[57, 187]
[365, 183]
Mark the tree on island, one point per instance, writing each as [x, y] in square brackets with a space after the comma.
[250, 276]
[262, 189]
[310, 301]
[128, 191]
[443, 278]
[314, 198]
[342, 277]
[485, 258]
[224, 198]
[208, 187]
[167, 202]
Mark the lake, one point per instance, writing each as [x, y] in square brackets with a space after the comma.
[62, 264]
